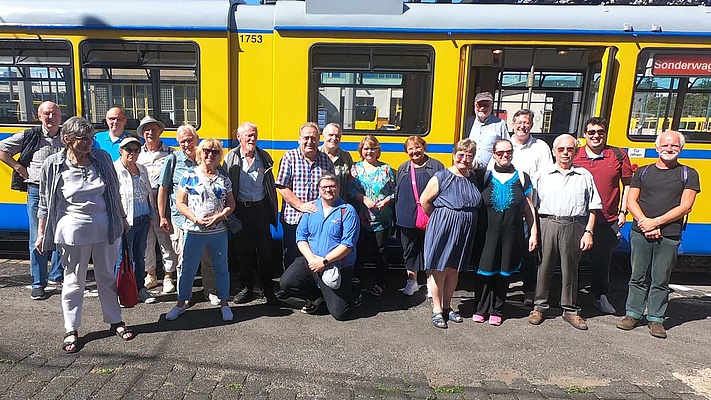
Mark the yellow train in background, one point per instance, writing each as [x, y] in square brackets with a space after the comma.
[383, 67]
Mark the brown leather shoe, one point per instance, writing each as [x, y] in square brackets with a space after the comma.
[627, 323]
[575, 320]
[657, 330]
[535, 317]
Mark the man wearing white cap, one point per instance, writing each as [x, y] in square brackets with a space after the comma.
[484, 128]
[153, 155]
[110, 140]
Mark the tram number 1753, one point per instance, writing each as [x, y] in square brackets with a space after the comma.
[246, 38]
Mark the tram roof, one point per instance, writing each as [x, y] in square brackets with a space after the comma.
[463, 19]
[195, 15]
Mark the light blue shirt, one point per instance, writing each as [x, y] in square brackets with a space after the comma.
[485, 134]
[325, 232]
[251, 180]
[102, 140]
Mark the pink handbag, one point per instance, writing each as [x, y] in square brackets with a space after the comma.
[422, 219]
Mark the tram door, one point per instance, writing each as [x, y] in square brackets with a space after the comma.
[560, 85]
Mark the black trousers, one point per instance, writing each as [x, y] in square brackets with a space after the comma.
[300, 282]
[600, 256]
[490, 294]
[371, 247]
[250, 250]
[288, 244]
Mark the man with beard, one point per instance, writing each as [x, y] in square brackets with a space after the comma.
[660, 195]
[484, 128]
[250, 170]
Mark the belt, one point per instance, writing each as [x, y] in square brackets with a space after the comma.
[560, 218]
[248, 204]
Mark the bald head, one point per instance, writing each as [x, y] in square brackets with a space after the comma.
[116, 121]
[51, 116]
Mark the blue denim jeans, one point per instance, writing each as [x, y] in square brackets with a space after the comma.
[193, 249]
[652, 264]
[38, 261]
[136, 241]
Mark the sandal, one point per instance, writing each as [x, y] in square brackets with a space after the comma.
[376, 290]
[125, 333]
[438, 321]
[67, 344]
[453, 316]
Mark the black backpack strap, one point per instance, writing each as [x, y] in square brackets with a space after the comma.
[685, 179]
[618, 154]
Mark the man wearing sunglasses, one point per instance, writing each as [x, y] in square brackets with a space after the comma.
[484, 128]
[568, 202]
[609, 167]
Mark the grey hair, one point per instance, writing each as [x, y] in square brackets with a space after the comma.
[524, 111]
[77, 126]
[564, 136]
[189, 129]
[244, 126]
[682, 138]
[332, 126]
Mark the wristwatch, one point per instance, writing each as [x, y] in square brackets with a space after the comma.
[624, 212]
[589, 231]
[325, 261]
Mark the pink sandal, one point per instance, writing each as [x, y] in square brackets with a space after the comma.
[495, 320]
[478, 318]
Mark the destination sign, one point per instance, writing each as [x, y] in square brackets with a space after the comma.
[682, 64]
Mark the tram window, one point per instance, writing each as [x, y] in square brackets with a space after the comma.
[32, 72]
[159, 79]
[372, 88]
[672, 91]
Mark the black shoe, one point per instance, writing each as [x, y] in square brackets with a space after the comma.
[312, 306]
[243, 296]
[272, 299]
[38, 294]
[358, 300]
[281, 294]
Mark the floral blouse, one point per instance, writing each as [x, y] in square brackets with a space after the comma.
[376, 185]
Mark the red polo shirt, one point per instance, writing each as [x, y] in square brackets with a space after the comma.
[607, 173]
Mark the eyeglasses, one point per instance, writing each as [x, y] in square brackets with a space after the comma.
[132, 150]
[211, 152]
[669, 146]
[376, 148]
[329, 187]
[501, 153]
[84, 138]
[593, 132]
[461, 156]
[563, 149]
[484, 105]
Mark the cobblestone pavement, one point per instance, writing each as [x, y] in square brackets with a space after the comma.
[390, 352]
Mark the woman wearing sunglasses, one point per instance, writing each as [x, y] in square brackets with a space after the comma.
[205, 199]
[508, 199]
[135, 189]
[451, 199]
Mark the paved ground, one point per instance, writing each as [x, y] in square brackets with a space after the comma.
[391, 351]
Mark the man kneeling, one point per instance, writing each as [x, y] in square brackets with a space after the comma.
[326, 240]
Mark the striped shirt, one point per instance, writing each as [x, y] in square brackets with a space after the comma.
[47, 146]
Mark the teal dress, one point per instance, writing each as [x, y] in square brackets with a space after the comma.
[376, 185]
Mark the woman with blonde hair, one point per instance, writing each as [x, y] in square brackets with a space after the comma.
[205, 199]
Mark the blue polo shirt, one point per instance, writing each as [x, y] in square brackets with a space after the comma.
[102, 140]
[325, 232]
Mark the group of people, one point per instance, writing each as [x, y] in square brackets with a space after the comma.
[504, 206]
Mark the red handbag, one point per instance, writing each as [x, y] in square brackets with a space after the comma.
[421, 219]
[126, 280]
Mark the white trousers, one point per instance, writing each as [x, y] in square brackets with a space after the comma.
[75, 260]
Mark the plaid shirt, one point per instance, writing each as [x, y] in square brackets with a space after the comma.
[300, 175]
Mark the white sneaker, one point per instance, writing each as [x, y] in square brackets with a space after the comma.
[226, 313]
[145, 297]
[214, 300]
[175, 312]
[150, 281]
[603, 305]
[168, 285]
[411, 287]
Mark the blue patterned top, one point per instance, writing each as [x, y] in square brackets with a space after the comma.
[203, 203]
[376, 185]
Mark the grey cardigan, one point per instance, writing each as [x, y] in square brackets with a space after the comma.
[49, 179]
